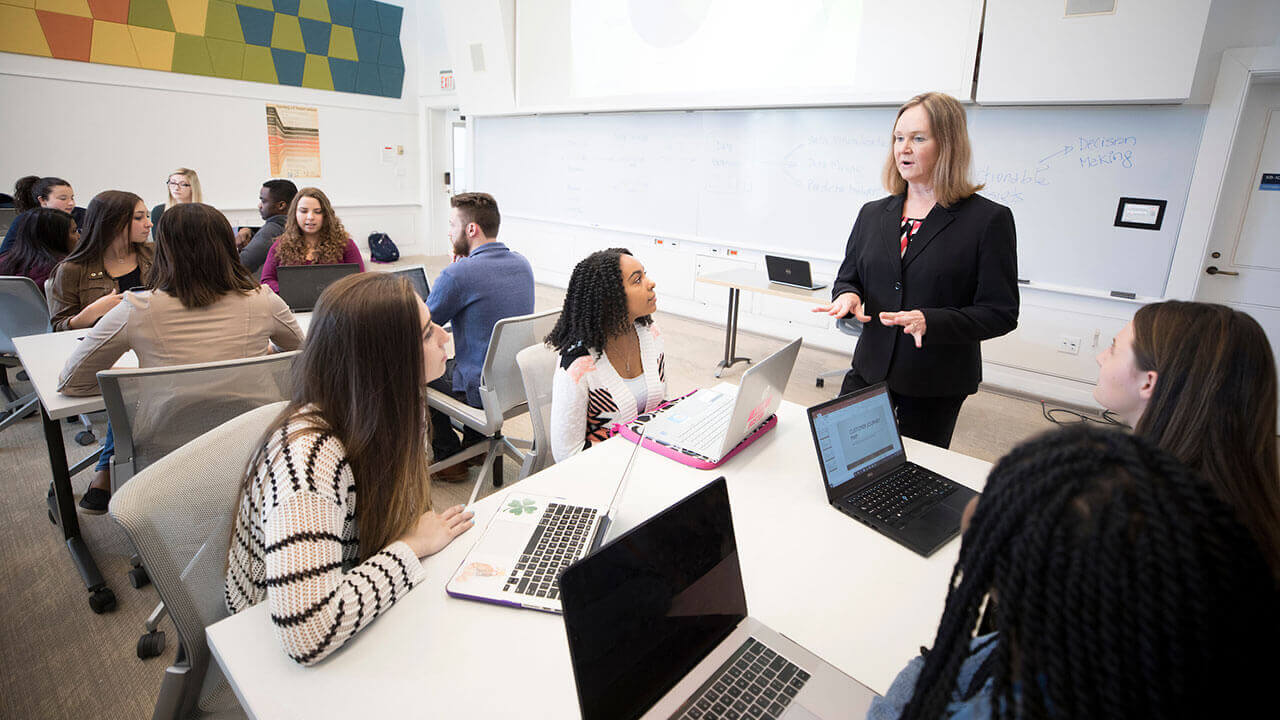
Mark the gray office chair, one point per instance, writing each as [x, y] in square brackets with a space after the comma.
[85, 436]
[501, 395]
[179, 512]
[154, 411]
[849, 326]
[537, 371]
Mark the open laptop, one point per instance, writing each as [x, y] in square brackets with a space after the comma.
[301, 285]
[657, 627]
[417, 276]
[868, 477]
[528, 542]
[710, 423]
[789, 271]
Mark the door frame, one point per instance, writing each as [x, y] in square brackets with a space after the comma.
[1241, 68]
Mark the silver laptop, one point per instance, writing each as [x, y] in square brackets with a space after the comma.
[710, 423]
[790, 271]
[528, 542]
[657, 626]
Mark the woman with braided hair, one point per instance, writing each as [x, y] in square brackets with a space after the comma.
[1117, 583]
[1199, 381]
[612, 366]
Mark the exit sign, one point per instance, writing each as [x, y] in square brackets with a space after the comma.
[446, 79]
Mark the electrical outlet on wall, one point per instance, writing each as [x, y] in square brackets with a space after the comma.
[1069, 345]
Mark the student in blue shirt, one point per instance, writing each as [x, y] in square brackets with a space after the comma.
[486, 283]
[1112, 583]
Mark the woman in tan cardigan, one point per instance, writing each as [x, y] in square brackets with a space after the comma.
[113, 256]
[200, 305]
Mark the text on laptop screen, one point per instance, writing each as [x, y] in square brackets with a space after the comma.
[854, 436]
[645, 609]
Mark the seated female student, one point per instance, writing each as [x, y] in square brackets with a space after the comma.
[41, 239]
[329, 565]
[1199, 381]
[313, 235]
[113, 256]
[183, 186]
[201, 305]
[47, 192]
[611, 355]
[1118, 586]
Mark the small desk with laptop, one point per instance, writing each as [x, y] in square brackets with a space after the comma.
[853, 597]
[804, 288]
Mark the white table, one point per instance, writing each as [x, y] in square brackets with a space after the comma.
[859, 600]
[43, 357]
[751, 281]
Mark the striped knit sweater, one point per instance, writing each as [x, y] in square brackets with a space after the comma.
[296, 545]
[588, 395]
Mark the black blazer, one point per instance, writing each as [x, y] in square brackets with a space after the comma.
[960, 269]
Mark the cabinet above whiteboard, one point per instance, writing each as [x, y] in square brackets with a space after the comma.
[1140, 51]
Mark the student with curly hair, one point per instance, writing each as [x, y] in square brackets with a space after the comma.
[1199, 380]
[41, 239]
[1118, 585]
[313, 235]
[612, 365]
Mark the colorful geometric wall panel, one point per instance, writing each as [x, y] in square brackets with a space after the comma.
[340, 45]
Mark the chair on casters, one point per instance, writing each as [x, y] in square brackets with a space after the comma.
[849, 326]
[501, 397]
[154, 411]
[178, 513]
[537, 371]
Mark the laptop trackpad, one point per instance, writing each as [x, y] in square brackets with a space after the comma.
[941, 521]
[798, 712]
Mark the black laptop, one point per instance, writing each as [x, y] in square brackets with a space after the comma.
[417, 276]
[789, 271]
[301, 285]
[868, 477]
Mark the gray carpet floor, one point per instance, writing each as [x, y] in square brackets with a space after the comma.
[60, 660]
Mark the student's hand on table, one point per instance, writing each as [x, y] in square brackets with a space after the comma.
[846, 304]
[911, 321]
[434, 530]
[243, 236]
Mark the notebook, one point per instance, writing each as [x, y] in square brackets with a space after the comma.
[789, 271]
[528, 542]
[301, 285]
[708, 426]
[867, 475]
[657, 626]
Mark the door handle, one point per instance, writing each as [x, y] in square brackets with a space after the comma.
[1213, 270]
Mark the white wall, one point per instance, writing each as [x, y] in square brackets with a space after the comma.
[104, 127]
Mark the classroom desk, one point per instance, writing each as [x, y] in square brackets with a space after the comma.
[43, 357]
[860, 601]
[751, 281]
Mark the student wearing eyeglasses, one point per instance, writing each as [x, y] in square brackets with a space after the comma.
[183, 186]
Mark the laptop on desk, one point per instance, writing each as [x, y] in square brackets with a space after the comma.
[867, 475]
[657, 626]
[301, 285]
[708, 424]
[528, 542]
[789, 271]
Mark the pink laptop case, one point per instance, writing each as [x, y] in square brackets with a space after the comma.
[631, 431]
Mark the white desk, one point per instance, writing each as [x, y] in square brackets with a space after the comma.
[857, 599]
[751, 281]
[43, 357]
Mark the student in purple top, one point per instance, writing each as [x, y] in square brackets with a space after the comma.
[41, 238]
[313, 235]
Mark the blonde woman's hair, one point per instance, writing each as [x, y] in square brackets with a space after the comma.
[292, 246]
[947, 123]
[192, 178]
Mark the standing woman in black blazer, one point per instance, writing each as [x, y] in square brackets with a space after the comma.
[937, 261]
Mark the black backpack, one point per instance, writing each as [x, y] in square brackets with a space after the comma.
[381, 249]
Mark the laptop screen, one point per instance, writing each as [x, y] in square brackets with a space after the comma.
[643, 610]
[417, 276]
[855, 434]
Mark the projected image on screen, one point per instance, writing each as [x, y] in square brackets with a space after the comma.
[638, 47]
[854, 437]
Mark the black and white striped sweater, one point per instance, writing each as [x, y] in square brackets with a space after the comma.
[296, 545]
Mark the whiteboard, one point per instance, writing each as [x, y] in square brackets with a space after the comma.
[792, 181]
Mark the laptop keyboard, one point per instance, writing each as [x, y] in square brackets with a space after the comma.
[557, 542]
[755, 682]
[897, 496]
[705, 434]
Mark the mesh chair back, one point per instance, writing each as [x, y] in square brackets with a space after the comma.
[157, 410]
[501, 389]
[178, 513]
[537, 371]
[22, 311]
